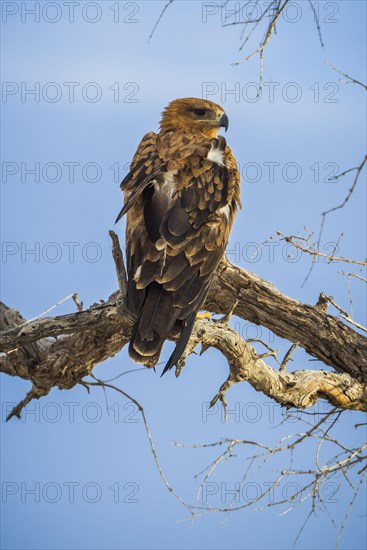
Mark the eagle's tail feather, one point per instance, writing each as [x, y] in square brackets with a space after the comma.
[145, 359]
[152, 326]
[181, 343]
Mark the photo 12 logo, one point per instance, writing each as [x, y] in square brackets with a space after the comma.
[70, 12]
[268, 492]
[252, 11]
[51, 252]
[70, 492]
[73, 412]
[270, 91]
[66, 171]
[69, 92]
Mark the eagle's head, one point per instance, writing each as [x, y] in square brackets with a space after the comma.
[193, 115]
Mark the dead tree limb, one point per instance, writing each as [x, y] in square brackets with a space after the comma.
[88, 337]
[323, 336]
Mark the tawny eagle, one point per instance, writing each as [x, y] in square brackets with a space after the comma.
[181, 196]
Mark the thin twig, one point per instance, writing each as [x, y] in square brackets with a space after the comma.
[152, 447]
[345, 315]
[317, 23]
[350, 79]
[325, 213]
[158, 20]
[268, 35]
[349, 509]
[359, 169]
[354, 275]
[350, 192]
[41, 314]
[288, 356]
[316, 252]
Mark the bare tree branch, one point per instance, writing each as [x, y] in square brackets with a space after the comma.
[271, 27]
[312, 249]
[311, 484]
[299, 389]
[323, 336]
[101, 331]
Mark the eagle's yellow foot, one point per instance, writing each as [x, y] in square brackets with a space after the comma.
[204, 315]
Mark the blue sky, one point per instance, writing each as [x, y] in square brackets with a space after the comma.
[98, 87]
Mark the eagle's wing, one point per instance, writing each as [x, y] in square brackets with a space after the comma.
[180, 197]
[143, 168]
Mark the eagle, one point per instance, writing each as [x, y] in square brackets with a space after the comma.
[180, 196]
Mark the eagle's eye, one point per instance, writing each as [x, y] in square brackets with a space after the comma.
[199, 112]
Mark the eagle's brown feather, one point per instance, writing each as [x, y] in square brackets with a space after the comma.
[180, 207]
